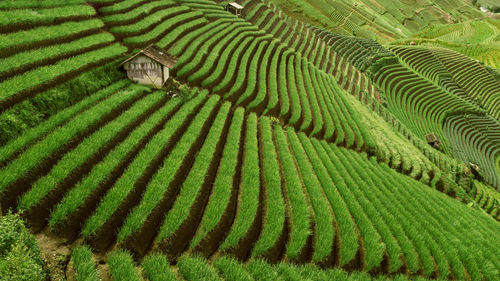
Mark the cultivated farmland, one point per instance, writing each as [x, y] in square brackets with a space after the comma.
[282, 147]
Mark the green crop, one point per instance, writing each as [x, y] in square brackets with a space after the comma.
[149, 20]
[156, 268]
[43, 15]
[77, 195]
[195, 268]
[88, 147]
[124, 185]
[274, 210]
[56, 120]
[249, 189]
[44, 74]
[231, 269]
[301, 213]
[221, 193]
[194, 180]
[36, 153]
[50, 32]
[84, 266]
[161, 28]
[135, 13]
[122, 266]
[28, 57]
[323, 214]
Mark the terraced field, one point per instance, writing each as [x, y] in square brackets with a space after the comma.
[288, 151]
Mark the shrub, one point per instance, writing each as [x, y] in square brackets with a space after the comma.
[19, 253]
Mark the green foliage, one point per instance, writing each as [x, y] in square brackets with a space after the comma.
[30, 157]
[33, 111]
[84, 266]
[20, 257]
[49, 32]
[195, 268]
[122, 266]
[43, 15]
[156, 268]
[45, 74]
[77, 195]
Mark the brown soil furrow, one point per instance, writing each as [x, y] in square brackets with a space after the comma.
[37, 215]
[9, 196]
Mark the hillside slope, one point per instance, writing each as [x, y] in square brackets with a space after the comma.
[283, 141]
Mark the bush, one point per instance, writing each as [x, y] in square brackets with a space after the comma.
[19, 253]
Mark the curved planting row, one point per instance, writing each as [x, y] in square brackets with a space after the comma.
[425, 62]
[42, 51]
[150, 22]
[416, 102]
[348, 77]
[476, 139]
[264, 76]
[487, 198]
[199, 176]
[155, 267]
[474, 78]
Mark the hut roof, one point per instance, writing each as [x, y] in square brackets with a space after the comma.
[236, 5]
[158, 54]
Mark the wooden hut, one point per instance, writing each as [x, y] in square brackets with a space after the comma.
[150, 66]
[234, 8]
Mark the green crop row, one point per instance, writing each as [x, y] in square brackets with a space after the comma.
[252, 65]
[274, 210]
[160, 183]
[32, 56]
[220, 196]
[122, 267]
[139, 11]
[44, 148]
[149, 20]
[56, 120]
[14, 17]
[323, 212]
[125, 184]
[12, 4]
[44, 74]
[232, 39]
[248, 199]
[192, 57]
[76, 197]
[47, 32]
[88, 147]
[299, 211]
[191, 187]
[196, 268]
[175, 34]
[85, 268]
[190, 17]
[157, 268]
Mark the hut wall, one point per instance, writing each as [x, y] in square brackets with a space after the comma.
[144, 70]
